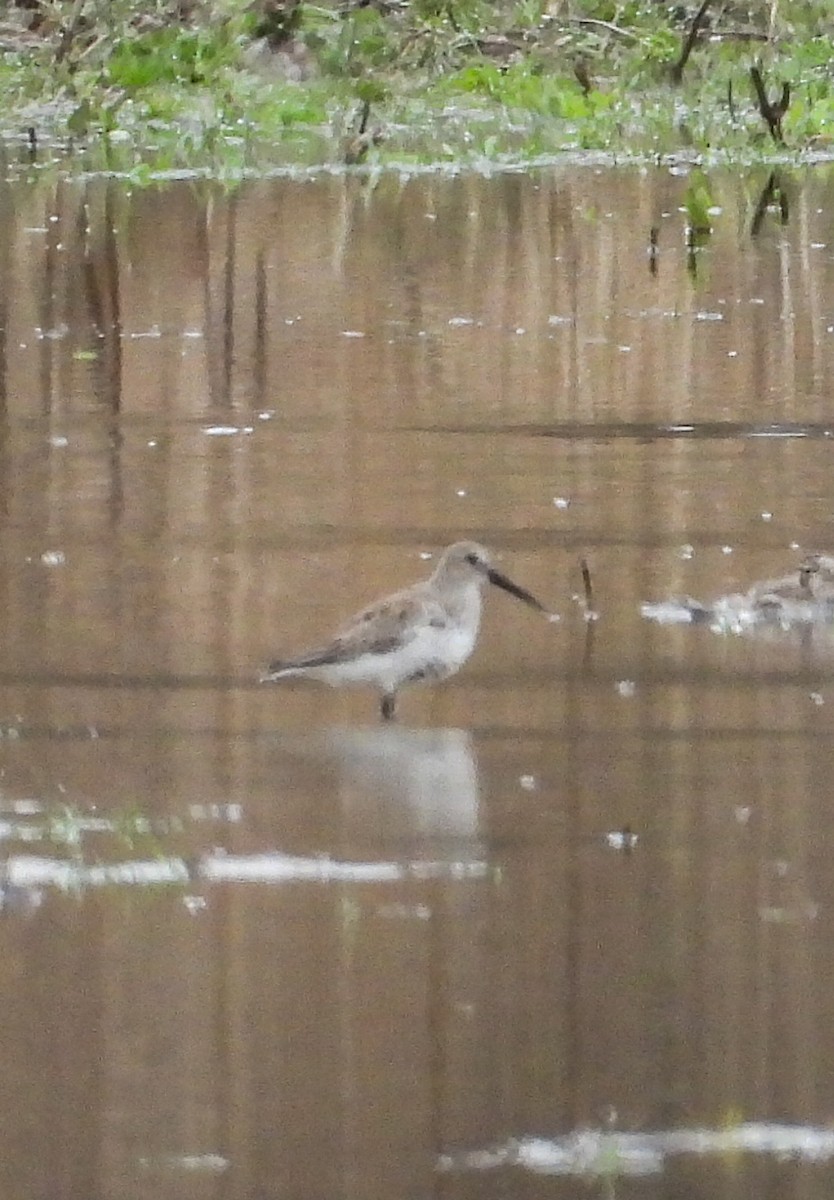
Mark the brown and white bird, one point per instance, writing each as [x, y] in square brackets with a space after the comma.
[422, 634]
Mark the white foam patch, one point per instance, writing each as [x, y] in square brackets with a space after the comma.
[212, 1164]
[670, 612]
[737, 613]
[39, 871]
[596, 1153]
[30, 871]
[280, 868]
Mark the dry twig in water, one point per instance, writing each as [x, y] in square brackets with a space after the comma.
[691, 37]
[586, 583]
[772, 113]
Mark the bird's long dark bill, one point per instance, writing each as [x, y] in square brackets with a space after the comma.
[507, 585]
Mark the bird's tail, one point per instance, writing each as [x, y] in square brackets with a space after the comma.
[275, 670]
[324, 656]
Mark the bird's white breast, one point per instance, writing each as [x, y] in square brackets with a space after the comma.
[429, 648]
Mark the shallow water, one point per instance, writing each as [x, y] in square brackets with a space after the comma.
[570, 918]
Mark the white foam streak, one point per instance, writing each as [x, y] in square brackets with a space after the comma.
[26, 871]
[598, 1153]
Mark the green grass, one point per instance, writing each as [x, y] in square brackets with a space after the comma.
[444, 80]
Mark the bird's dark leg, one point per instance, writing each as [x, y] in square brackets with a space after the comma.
[388, 707]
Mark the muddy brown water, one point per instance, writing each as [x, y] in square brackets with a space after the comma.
[569, 924]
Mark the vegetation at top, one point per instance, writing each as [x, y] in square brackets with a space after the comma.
[144, 86]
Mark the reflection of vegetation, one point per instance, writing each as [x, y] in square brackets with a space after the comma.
[222, 82]
[82, 833]
[699, 206]
[83, 836]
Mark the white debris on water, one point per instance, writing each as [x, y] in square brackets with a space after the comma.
[621, 839]
[404, 912]
[211, 1164]
[740, 613]
[596, 1153]
[668, 612]
[626, 687]
[231, 813]
[286, 868]
[27, 808]
[796, 914]
[52, 335]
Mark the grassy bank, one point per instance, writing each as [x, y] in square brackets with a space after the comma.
[230, 86]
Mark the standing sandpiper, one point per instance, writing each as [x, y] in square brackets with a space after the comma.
[419, 635]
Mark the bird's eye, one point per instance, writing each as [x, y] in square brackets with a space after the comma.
[473, 560]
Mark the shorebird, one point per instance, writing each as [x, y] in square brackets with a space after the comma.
[811, 583]
[805, 595]
[816, 574]
[422, 634]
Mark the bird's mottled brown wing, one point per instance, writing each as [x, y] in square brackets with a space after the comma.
[378, 629]
[393, 621]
